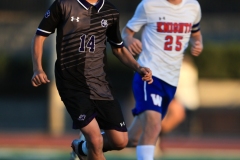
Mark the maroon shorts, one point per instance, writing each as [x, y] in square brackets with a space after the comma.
[83, 110]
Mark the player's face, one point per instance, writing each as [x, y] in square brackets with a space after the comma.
[175, 2]
[92, 1]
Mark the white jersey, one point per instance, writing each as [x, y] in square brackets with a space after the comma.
[166, 32]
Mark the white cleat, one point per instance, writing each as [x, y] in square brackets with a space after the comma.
[82, 138]
[75, 145]
[73, 156]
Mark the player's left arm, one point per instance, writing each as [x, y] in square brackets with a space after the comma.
[196, 36]
[196, 43]
[126, 58]
[133, 45]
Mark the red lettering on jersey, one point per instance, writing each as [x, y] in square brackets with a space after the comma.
[180, 27]
[160, 26]
[169, 27]
[188, 27]
[175, 27]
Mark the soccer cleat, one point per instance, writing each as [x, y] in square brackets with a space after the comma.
[82, 138]
[75, 144]
[73, 156]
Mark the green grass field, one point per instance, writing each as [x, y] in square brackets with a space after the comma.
[177, 154]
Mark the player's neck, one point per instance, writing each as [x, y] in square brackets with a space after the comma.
[175, 2]
[92, 1]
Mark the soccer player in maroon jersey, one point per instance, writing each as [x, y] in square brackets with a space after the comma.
[83, 28]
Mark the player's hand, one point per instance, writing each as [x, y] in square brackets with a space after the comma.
[197, 48]
[133, 45]
[146, 74]
[39, 77]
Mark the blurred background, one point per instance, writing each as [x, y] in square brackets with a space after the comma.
[35, 118]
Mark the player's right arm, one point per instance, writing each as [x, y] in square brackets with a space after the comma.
[39, 76]
[47, 26]
[138, 20]
[132, 44]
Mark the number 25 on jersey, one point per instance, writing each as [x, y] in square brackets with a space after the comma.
[169, 41]
[173, 42]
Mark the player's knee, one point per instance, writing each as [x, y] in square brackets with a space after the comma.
[95, 143]
[152, 130]
[120, 143]
[157, 129]
[132, 141]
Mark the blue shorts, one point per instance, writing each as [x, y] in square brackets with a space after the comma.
[155, 96]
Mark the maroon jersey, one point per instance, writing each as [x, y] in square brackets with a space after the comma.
[82, 33]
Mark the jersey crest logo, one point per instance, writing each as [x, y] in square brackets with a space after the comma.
[47, 14]
[74, 19]
[157, 100]
[104, 23]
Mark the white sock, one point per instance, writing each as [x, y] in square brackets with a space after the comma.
[84, 148]
[84, 145]
[145, 152]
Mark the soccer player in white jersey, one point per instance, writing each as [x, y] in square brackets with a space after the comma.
[168, 26]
